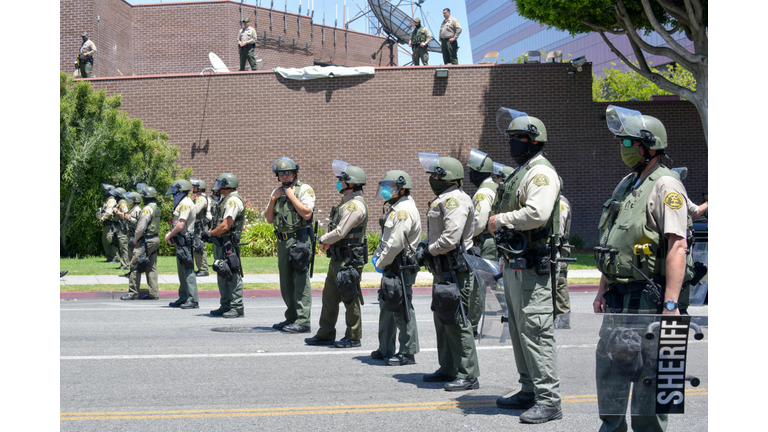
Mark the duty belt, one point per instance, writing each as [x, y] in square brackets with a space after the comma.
[479, 239]
[150, 236]
[300, 234]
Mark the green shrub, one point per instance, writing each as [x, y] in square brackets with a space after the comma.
[577, 241]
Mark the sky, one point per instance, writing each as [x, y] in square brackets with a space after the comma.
[433, 11]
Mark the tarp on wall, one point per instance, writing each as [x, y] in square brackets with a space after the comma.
[315, 72]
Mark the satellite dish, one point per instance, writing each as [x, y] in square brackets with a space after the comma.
[218, 65]
[397, 23]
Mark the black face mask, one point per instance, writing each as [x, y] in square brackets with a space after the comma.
[477, 178]
[439, 186]
[520, 150]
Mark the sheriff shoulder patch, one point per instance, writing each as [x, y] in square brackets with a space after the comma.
[541, 180]
[310, 192]
[479, 197]
[673, 200]
[452, 203]
[562, 207]
[184, 207]
[351, 206]
[232, 203]
[145, 211]
[402, 215]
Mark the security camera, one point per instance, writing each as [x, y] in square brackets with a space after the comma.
[579, 61]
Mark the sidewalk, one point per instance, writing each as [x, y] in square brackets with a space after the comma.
[121, 285]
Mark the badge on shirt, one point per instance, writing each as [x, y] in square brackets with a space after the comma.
[402, 215]
[310, 192]
[145, 211]
[184, 207]
[673, 200]
[479, 197]
[562, 207]
[452, 203]
[541, 180]
[232, 203]
[351, 206]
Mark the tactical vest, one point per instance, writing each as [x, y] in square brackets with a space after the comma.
[154, 224]
[418, 35]
[287, 219]
[627, 226]
[115, 217]
[356, 235]
[237, 225]
[509, 202]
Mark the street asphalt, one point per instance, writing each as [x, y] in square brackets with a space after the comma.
[140, 365]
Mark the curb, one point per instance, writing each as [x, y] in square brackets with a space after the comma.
[168, 294]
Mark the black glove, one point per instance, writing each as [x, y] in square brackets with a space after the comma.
[419, 254]
[206, 237]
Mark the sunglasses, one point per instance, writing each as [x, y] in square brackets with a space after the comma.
[626, 142]
[284, 173]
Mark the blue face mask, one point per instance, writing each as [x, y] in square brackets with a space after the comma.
[338, 185]
[386, 193]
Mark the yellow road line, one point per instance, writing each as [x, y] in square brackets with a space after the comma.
[309, 410]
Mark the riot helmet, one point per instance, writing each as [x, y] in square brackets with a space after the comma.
[509, 121]
[446, 168]
[284, 164]
[480, 167]
[226, 180]
[627, 124]
[199, 183]
[179, 185]
[136, 197]
[392, 182]
[129, 197]
[349, 173]
[146, 191]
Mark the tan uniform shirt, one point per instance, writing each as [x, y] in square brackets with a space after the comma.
[202, 206]
[483, 202]
[537, 195]
[185, 210]
[108, 209]
[133, 216]
[402, 228]
[667, 208]
[247, 35]
[450, 216]
[565, 210]
[450, 28]
[354, 215]
[231, 207]
[122, 206]
[88, 48]
[144, 220]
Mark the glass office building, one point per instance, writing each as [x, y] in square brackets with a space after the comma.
[494, 25]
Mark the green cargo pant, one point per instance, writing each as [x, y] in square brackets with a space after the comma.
[456, 351]
[294, 287]
[420, 53]
[390, 322]
[531, 329]
[201, 258]
[231, 292]
[122, 245]
[246, 53]
[330, 312]
[449, 51]
[107, 240]
[187, 281]
[85, 69]
[134, 280]
[476, 306]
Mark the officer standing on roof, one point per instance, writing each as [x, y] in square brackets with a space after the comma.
[347, 247]
[529, 206]
[246, 40]
[400, 235]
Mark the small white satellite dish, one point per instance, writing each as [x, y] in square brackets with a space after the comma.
[218, 65]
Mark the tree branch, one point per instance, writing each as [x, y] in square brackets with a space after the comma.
[673, 44]
[600, 28]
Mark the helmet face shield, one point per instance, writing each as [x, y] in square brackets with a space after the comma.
[476, 159]
[107, 187]
[338, 168]
[429, 161]
[128, 196]
[220, 183]
[194, 181]
[505, 116]
[497, 167]
[625, 122]
[173, 189]
[387, 188]
[142, 188]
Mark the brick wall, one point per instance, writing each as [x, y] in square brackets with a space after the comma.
[173, 38]
[382, 122]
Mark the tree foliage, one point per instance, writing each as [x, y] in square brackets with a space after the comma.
[100, 144]
[632, 18]
[618, 85]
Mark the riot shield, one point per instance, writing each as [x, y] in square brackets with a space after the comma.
[493, 327]
[651, 364]
[699, 291]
